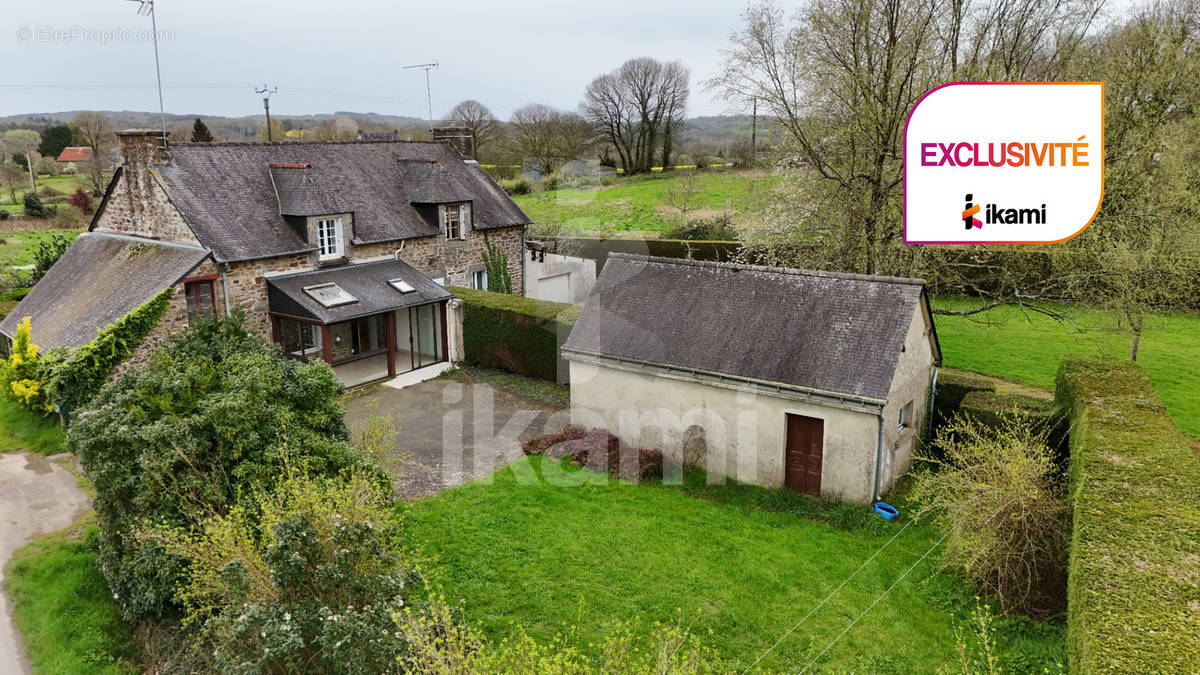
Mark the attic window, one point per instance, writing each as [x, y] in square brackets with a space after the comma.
[330, 295]
[401, 285]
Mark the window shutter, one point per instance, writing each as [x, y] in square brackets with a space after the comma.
[339, 240]
[442, 217]
[465, 216]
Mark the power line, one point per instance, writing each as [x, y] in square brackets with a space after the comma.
[827, 598]
[267, 106]
[876, 602]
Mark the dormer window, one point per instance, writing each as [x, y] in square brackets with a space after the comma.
[330, 243]
[455, 220]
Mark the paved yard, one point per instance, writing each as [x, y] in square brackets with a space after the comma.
[37, 495]
[448, 433]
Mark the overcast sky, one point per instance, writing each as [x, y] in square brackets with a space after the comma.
[344, 55]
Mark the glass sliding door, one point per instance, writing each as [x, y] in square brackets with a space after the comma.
[425, 322]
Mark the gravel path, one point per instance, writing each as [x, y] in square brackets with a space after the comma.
[37, 495]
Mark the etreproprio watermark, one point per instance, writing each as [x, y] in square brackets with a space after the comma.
[46, 34]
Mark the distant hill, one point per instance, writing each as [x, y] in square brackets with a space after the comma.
[717, 131]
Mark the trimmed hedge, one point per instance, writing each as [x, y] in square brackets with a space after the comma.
[1134, 574]
[515, 333]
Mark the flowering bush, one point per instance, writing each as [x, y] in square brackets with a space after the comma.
[24, 372]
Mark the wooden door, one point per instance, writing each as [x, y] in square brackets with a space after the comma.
[802, 454]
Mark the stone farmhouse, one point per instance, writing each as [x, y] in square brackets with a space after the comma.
[814, 381]
[335, 250]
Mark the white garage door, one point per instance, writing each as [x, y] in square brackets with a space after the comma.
[556, 288]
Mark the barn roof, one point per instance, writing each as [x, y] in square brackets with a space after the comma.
[74, 154]
[99, 279]
[235, 196]
[825, 332]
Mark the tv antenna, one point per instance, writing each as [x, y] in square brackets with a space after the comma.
[428, 96]
[267, 106]
[146, 8]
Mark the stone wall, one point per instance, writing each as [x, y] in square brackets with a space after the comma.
[176, 317]
[138, 205]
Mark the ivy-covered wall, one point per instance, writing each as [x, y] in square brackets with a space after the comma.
[1133, 590]
[515, 333]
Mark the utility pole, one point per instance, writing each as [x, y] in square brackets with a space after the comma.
[754, 131]
[267, 107]
[428, 95]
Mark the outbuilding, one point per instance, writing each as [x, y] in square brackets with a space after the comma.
[815, 381]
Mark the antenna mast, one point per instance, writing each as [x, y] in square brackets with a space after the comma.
[267, 106]
[146, 8]
[428, 95]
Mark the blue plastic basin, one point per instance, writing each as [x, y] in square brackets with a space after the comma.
[885, 511]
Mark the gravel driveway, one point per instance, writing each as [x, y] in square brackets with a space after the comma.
[449, 432]
[37, 495]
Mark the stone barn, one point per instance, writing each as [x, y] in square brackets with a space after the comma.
[814, 381]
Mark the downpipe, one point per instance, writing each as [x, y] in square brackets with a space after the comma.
[878, 458]
[225, 290]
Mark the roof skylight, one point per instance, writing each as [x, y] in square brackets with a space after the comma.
[401, 285]
[330, 295]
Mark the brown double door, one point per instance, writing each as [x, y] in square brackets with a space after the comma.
[802, 454]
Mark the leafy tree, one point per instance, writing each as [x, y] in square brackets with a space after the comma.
[54, 140]
[200, 132]
[216, 414]
[46, 253]
[18, 158]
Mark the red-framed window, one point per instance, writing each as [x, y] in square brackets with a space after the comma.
[201, 300]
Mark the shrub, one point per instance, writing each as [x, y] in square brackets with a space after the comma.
[551, 181]
[81, 200]
[514, 333]
[35, 208]
[517, 186]
[994, 492]
[46, 166]
[1135, 491]
[48, 192]
[46, 253]
[716, 228]
[4, 214]
[15, 294]
[22, 373]
[214, 415]
[304, 578]
[499, 279]
[540, 444]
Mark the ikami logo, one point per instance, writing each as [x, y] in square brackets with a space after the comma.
[1028, 150]
[993, 214]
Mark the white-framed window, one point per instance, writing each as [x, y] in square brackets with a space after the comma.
[330, 243]
[456, 218]
[906, 412]
[479, 280]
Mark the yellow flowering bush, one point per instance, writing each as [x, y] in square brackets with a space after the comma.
[21, 372]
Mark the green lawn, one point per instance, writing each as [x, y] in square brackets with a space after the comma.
[64, 609]
[1024, 351]
[64, 184]
[16, 248]
[649, 204]
[741, 565]
[22, 430]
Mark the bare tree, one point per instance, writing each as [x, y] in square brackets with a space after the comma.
[479, 119]
[637, 108]
[92, 130]
[26, 142]
[546, 137]
[11, 176]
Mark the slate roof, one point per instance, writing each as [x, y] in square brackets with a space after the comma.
[832, 333]
[367, 282]
[233, 199]
[74, 154]
[99, 279]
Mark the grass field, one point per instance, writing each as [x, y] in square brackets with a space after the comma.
[16, 248]
[737, 564]
[1024, 351]
[649, 204]
[64, 609]
[22, 430]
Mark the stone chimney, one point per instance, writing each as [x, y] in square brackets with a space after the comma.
[458, 139]
[141, 148]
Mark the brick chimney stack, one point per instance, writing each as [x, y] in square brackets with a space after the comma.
[458, 138]
[141, 148]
